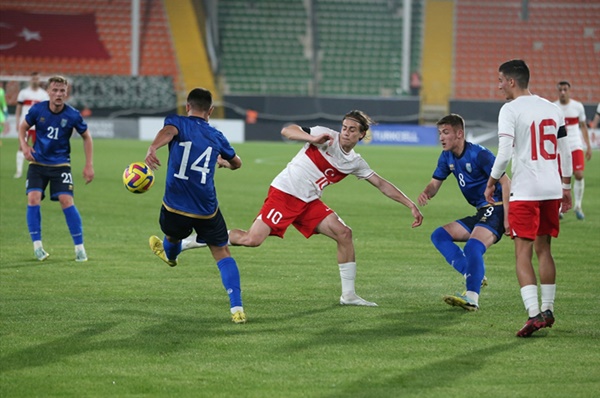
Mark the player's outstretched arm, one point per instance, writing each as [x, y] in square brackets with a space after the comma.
[429, 192]
[295, 133]
[233, 163]
[164, 136]
[392, 192]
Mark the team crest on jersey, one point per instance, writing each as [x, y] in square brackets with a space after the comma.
[42, 119]
[451, 165]
[63, 122]
[469, 168]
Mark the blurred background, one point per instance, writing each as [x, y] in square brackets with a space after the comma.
[268, 62]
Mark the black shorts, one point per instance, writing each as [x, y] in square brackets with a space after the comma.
[212, 231]
[490, 217]
[60, 179]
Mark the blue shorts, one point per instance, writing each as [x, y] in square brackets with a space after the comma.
[212, 231]
[490, 217]
[59, 178]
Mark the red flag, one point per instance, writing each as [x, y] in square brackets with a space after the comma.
[50, 35]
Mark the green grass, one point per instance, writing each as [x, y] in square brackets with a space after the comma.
[125, 324]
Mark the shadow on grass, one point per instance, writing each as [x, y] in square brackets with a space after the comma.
[424, 380]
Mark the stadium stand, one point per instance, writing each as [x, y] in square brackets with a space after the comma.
[113, 21]
[559, 39]
[352, 48]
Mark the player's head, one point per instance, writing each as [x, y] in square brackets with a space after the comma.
[451, 129]
[513, 75]
[34, 81]
[564, 91]
[200, 100]
[361, 119]
[58, 87]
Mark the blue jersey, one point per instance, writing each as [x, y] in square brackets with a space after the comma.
[53, 132]
[193, 152]
[472, 170]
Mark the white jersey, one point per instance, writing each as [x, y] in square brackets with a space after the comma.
[532, 124]
[574, 113]
[317, 166]
[28, 97]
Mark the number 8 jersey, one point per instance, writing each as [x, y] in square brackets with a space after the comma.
[531, 124]
[193, 152]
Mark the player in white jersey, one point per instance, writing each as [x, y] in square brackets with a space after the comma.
[294, 196]
[576, 130]
[596, 120]
[531, 130]
[26, 98]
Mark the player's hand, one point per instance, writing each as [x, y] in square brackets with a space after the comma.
[567, 202]
[223, 163]
[151, 159]
[323, 138]
[417, 215]
[88, 174]
[489, 193]
[28, 153]
[423, 199]
[588, 153]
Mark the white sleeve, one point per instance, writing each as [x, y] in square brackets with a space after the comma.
[505, 145]
[566, 162]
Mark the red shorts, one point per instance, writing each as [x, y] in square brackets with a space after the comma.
[529, 219]
[281, 209]
[578, 161]
[30, 134]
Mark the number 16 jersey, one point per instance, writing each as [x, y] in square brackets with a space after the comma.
[532, 123]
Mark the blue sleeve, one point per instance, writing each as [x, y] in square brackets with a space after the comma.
[442, 171]
[486, 159]
[80, 125]
[227, 151]
[32, 116]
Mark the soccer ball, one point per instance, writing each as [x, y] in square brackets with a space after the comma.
[138, 177]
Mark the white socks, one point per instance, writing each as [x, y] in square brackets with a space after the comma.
[20, 160]
[578, 188]
[348, 274]
[529, 294]
[548, 295]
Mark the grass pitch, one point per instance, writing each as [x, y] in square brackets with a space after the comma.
[125, 324]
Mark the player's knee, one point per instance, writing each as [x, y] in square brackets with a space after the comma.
[440, 235]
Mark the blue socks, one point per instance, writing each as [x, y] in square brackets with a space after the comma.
[474, 251]
[34, 222]
[453, 254]
[171, 250]
[74, 223]
[230, 275]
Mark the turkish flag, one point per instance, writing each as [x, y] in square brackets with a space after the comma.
[50, 35]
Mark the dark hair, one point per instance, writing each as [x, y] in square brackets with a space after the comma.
[516, 69]
[563, 83]
[58, 79]
[454, 120]
[200, 99]
[361, 118]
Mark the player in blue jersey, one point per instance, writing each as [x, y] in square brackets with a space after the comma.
[50, 162]
[190, 200]
[471, 164]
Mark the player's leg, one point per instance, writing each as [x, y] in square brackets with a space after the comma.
[61, 189]
[254, 237]
[175, 227]
[333, 227]
[578, 159]
[214, 232]
[37, 183]
[549, 227]
[443, 239]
